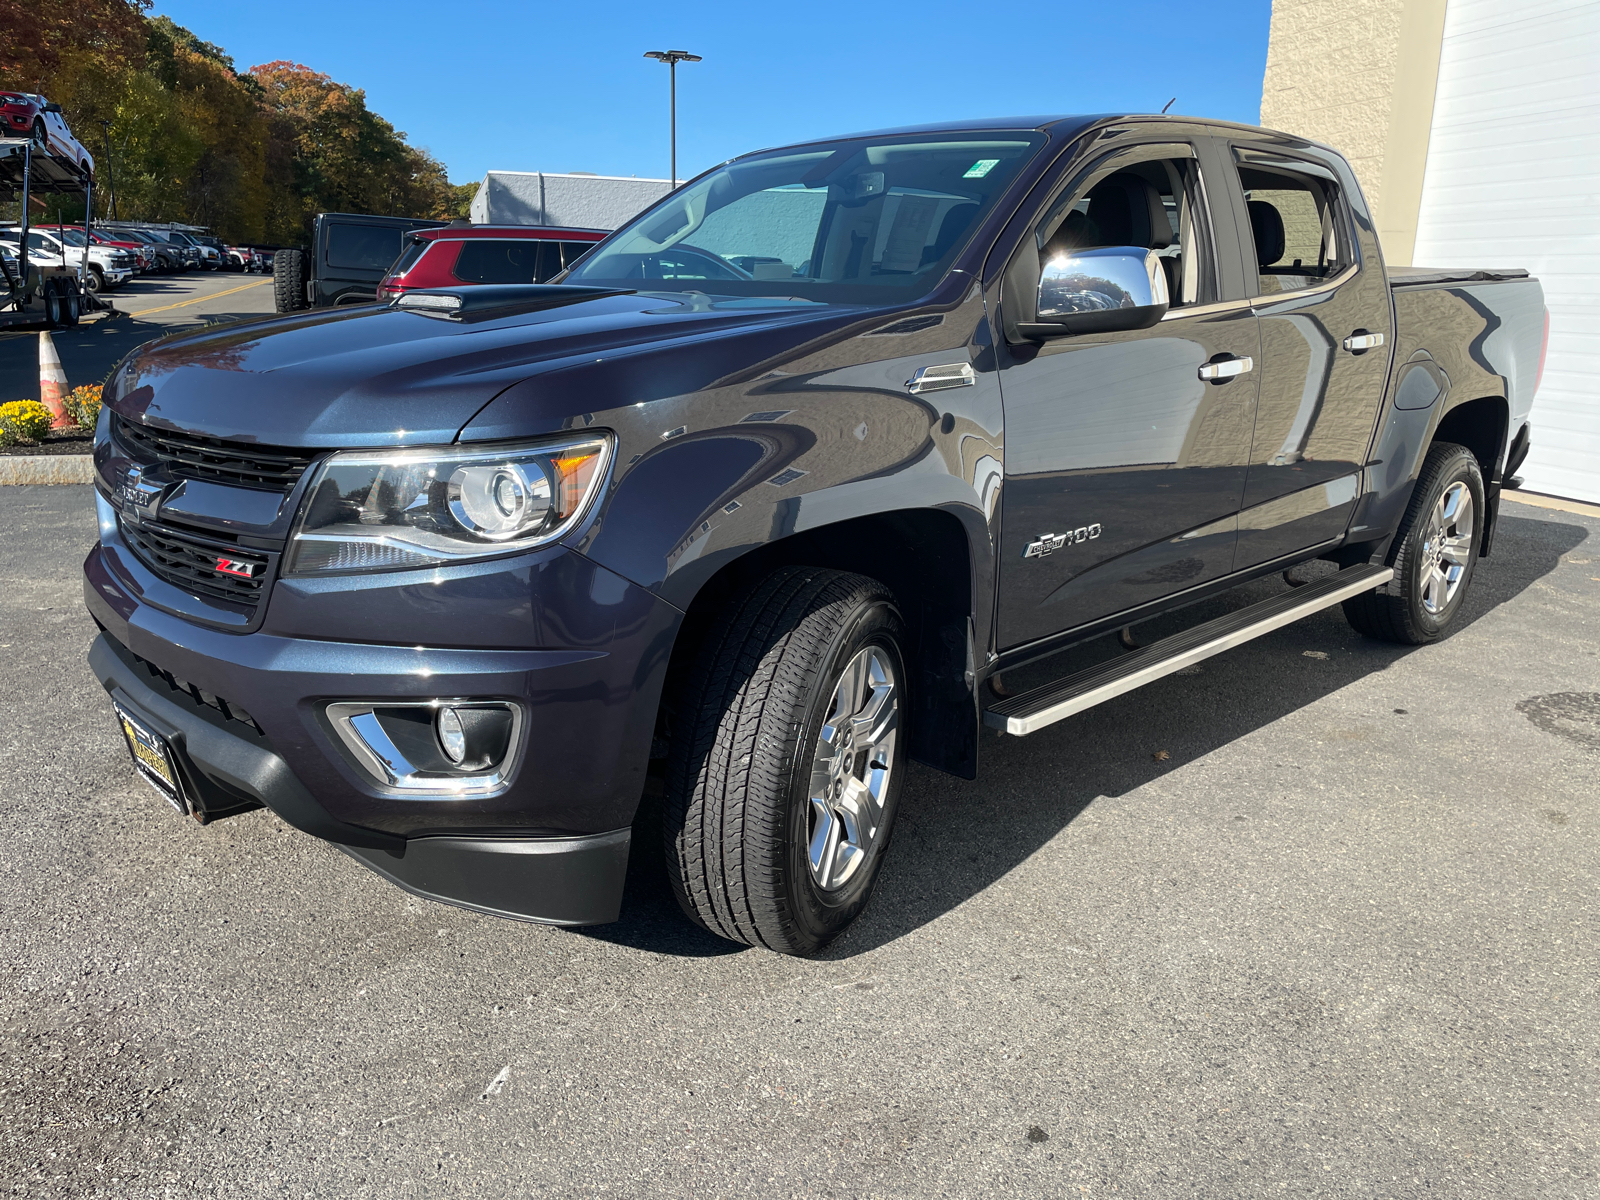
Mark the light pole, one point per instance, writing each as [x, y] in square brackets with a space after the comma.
[672, 58]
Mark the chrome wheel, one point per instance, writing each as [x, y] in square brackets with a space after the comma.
[1447, 549]
[850, 772]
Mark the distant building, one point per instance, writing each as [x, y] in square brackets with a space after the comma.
[1472, 126]
[581, 201]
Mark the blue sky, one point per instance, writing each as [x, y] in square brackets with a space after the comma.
[486, 84]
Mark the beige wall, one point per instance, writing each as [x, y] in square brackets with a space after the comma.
[1360, 76]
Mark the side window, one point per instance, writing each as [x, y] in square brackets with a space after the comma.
[1300, 237]
[363, 247]
[571, 252]
[1153, 205]
[485, 260]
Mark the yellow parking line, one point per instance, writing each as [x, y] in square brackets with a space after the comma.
[139, 312]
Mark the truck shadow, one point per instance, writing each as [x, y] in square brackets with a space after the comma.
[955, 838]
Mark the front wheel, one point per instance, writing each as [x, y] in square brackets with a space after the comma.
[1437, 551]
[787, 758]
[96, 281]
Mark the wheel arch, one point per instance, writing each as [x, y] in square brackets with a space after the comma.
[923, 556]
[1481, 426]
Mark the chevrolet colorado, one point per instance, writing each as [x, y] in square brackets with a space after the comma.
[767, 491]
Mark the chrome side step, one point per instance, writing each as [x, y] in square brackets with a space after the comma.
[1031, 711]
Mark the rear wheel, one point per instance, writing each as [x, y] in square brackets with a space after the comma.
[289, 281]
[1437, 552]
[72, 305]
[52, 305]
[787, 761]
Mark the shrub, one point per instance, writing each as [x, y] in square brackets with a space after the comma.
[83, 406]
[23, 421]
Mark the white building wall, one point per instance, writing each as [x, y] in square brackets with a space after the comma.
[581, 201]
[1513, 180]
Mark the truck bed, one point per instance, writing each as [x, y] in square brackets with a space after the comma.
[1401, 277]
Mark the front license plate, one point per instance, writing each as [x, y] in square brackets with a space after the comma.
[152, 758]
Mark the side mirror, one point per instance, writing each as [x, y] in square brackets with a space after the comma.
[1105, 290]
[52, 107]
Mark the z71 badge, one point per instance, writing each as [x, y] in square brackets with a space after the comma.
[1049, 543]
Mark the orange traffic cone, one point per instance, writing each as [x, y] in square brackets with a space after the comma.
[52, 382]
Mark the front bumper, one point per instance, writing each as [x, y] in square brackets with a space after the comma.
[227, 765]
[246, 713]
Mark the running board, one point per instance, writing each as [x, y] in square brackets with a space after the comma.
[1031, 711]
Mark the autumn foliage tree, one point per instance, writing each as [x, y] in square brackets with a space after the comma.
[179, 134]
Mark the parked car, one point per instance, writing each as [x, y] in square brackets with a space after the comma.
[143, 255]
[167, 257]
[774, 492]
[109, 267]
[348, 257]
[213, 254]
[465, 253]
[28, 115]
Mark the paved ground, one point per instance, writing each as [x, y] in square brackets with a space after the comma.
[1318, 920]
[150, 306]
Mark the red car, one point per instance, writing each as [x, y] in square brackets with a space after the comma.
[455, 254]
[145, 255]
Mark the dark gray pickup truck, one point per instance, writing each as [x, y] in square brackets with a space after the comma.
[765, 495]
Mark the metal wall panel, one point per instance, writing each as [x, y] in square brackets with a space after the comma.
[1513, 180]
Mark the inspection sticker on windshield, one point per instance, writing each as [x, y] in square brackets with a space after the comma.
[981, 168]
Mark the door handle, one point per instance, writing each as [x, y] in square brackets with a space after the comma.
[934, 379]
[1223, 369]
[1361, 341]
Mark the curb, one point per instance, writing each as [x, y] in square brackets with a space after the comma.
[46, 468]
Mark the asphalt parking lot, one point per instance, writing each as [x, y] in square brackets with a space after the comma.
[147, 307]
[1318, 919]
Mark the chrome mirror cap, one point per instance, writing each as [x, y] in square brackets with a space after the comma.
[1100, 291]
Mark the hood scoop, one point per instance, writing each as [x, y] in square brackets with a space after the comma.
[488, 300]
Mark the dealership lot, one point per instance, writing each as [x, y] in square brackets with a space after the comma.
[1319, 917]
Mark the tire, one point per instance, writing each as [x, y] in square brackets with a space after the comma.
[96, 280]
[759, 710]
[72, 305]
[52, 306]
[289, 281]
[1421, 603]
[41, 139]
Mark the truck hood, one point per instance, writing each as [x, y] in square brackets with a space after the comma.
[376, 376]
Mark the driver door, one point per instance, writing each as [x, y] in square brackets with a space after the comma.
[1124, 467]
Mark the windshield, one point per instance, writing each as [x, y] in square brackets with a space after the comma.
[855, 222]
[73, 237]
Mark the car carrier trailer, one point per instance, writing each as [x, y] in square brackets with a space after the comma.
[35, 295]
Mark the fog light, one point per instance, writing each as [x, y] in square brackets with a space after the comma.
[432, 747]
[452, 737]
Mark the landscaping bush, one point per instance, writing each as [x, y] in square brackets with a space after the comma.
[83, 406]
[22, 422]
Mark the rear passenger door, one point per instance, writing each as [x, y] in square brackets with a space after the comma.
[1326, 336]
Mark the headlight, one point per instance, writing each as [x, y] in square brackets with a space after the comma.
[419, 508]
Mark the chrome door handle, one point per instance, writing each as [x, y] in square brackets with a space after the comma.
[933, 379]
[1360, 343]
[1227, 368]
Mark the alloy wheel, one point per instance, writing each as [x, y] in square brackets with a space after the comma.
[850, 771]
[1447, 549]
